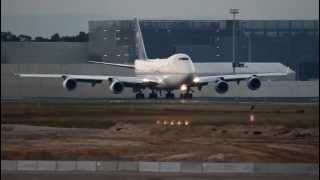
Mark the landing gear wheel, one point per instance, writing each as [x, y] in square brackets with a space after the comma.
[153, 96]
[139, 96]
[186, 96]
[169, 96]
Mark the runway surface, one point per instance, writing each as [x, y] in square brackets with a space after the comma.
[152, 176]
[223, 100]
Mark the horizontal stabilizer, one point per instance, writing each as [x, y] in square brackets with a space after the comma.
[113, 64]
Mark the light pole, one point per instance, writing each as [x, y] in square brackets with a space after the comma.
[249, 48]
[234, 12]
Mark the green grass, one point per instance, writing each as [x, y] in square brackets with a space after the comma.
[66, 123]
[104, 116]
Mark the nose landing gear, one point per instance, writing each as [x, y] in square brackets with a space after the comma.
[153, 95]
[187, 94]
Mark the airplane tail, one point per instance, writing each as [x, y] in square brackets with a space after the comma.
[141, 51]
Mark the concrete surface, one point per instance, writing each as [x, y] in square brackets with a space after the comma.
[148, 167]
[86, 166]
[158, 167]
[149, 176]
[66, 166]
[286, 168]
[228, 167]
[107, 166]
[27, 165]
[191, 167]
[169, 167]
[47, 165]
[8, 165]
[131, 166]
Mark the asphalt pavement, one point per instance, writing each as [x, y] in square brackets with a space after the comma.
[149, 176]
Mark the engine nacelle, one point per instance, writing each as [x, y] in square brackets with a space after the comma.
[253, 83]
[221, 86]
[69, 84]
[116, 87]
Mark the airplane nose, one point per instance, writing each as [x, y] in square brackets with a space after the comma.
[196, 79]
[183, 87]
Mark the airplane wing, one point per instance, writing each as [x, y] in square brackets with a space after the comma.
[95, 78]
[236, 77]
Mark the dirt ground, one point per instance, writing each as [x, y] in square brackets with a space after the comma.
[161, 132]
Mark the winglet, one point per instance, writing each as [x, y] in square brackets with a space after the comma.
[16, 74]
[288, 70]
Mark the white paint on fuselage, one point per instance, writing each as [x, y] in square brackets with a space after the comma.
[170, 73]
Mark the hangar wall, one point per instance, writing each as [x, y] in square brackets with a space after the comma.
[294, 43]
[44, 52]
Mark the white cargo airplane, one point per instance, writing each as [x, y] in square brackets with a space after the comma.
[174, 72]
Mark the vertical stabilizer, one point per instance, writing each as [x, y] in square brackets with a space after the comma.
[139, 42]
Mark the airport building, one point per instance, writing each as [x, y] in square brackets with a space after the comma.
[294, 43]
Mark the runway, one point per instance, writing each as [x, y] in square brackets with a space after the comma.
[210, 100]
[151, 176]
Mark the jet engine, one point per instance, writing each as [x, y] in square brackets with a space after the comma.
[221, 86]
[253, 83]
[69, 84]
[116, 87]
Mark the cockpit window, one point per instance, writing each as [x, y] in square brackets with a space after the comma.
[184, 59]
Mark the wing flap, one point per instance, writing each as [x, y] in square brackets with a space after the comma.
[97, 78]
[236, 77]
[40, 75]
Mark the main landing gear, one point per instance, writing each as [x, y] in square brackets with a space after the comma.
[153, 95]
[139, 95]
[169, 95]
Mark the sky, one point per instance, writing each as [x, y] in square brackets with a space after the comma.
[68, 17]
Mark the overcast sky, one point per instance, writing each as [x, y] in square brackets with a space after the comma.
[45, 17]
